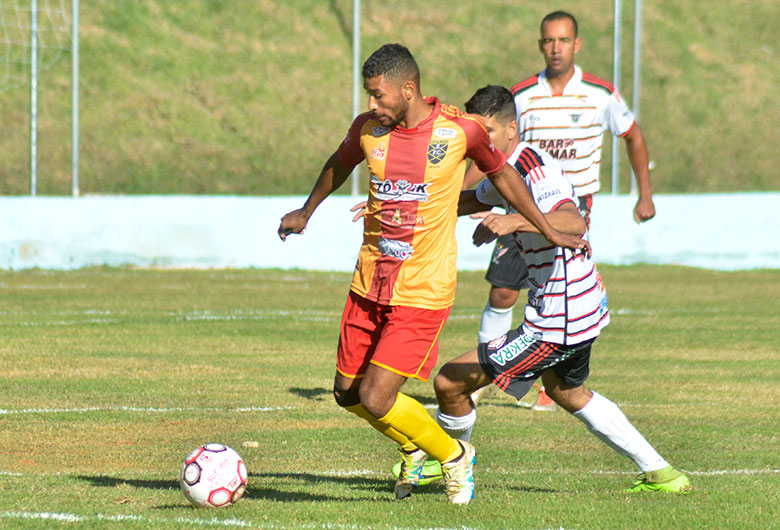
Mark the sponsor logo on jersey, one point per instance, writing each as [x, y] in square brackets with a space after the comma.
[512, 350]
[603, 303]
[379, 131]
[559, 149]
[437, 150]
[547, 194]
[395, 249]
[378, 153]
[400, 190]
[445, 132]
[398, 217]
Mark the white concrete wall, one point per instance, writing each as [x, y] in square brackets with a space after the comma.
[718, 231]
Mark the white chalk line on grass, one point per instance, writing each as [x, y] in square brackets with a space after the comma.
[115, 317]
[76, 518]
[184, 521]
[710, 473]
[80, 410]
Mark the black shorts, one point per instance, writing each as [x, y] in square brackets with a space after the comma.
[514, 360]
[507, 268]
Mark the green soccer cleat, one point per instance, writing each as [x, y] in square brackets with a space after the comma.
[410, 471]
[668, 480]
[431, 472]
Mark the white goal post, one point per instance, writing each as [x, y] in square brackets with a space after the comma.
[35, 34]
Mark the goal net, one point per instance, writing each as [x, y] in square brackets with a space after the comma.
[53, 30]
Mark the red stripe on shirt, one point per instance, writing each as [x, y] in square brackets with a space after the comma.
[522, 85]
[403, 162]
[593, 80]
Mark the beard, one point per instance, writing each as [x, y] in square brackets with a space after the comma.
[395, 116]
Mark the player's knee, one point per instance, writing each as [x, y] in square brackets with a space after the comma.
[377, 400]
[503, 298]
[444, 384]
[346, 397]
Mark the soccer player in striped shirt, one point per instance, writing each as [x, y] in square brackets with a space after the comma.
[564, 111]
[566, 309]
[404, 281]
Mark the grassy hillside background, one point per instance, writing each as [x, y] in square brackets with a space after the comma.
[251, 96]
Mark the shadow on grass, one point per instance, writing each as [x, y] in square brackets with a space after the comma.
[260, 490]
[314, 394]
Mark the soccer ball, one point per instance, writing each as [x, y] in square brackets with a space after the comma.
[212, 476]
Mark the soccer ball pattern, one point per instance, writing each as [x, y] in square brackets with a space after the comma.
[213, 476]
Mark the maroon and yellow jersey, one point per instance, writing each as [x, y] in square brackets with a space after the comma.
[409, 250]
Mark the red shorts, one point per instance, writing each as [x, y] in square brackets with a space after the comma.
[402, 339]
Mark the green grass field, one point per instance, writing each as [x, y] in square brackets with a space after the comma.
[109, 377]
[251, 97]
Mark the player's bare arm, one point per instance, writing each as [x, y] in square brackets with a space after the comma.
[637, 155]
[511, 186]
[331, 177]
[566, 219]
[473, 175]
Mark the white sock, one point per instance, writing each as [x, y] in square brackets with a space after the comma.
[610, 425]
[495, 322]
[459, 427]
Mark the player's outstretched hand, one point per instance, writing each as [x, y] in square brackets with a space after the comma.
[360, 208]
[644, 209]
[492, 226]
[293, 223]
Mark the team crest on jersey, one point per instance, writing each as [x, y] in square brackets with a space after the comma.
[437, 150]
[379, 131]
[575, 117]
[400, 190]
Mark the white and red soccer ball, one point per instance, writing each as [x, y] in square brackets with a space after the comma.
[212, 476]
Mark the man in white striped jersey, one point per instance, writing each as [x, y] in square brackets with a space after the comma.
[564, 111]
[566, 309]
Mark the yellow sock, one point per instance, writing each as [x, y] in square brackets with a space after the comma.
[409, 418]
[360, 411]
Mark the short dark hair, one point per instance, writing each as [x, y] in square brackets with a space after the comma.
[558, 15]
[493, 100]
[393, 61]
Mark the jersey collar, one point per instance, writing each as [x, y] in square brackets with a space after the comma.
[575, 80]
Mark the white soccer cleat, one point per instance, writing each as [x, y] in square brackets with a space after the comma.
[459, 476]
